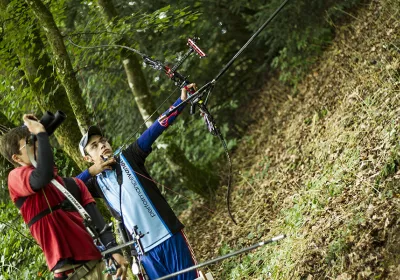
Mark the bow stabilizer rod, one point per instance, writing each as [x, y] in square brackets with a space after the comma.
[206, 263]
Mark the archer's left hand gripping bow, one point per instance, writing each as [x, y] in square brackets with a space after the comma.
[181, 81]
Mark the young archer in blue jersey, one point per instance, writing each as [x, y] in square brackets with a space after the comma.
[166, 249]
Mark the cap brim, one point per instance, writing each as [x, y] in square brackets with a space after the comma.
[93, 130]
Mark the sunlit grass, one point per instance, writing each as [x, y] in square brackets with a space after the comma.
[326, 173]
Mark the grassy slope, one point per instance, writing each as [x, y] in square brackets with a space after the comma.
[321, 167]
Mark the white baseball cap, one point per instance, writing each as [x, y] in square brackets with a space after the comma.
[93, 130]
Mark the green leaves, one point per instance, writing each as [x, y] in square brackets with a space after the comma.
[21, 257]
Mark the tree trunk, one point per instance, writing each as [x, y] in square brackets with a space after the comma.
[63, 65]
[196, 180]
[50, 95]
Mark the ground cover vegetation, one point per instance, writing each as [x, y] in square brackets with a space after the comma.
[320, 166]
[309, 113]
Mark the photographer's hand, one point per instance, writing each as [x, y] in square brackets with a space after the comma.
[33, 124]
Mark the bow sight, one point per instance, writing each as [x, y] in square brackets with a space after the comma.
[182, 81]
[172, 72]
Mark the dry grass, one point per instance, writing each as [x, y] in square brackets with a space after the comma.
[321, 167]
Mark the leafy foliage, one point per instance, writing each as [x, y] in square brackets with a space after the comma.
[21, 256]
[290, 45]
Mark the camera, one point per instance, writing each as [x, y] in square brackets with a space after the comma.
[51, 121]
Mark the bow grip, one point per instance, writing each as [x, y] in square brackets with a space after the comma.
[193, 104]
[189, 90]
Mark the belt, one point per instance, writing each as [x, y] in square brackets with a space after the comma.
[77, 273]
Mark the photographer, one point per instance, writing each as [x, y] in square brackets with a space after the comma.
[69, 249]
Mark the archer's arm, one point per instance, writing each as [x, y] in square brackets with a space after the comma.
[157, 128]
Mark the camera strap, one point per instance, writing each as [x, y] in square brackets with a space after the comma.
[64, 205]
[87, 220]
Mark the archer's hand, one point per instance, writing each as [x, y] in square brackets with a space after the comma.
[33, 124]
[100, 167]
[121, 271]
[185, 89]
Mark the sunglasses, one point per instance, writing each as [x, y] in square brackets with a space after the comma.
[28, 142]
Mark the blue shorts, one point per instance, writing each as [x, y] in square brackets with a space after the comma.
[173, 255]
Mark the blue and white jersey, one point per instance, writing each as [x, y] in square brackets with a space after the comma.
[137, 208]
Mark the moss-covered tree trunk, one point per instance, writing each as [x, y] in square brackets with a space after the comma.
[200, 182]
[50, 94]
[62, 62]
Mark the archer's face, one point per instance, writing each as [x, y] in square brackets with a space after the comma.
[97, 147]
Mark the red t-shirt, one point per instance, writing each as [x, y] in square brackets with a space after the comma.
[60, 234]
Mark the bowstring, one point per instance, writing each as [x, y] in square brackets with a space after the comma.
[106, 46]
[125, 143]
